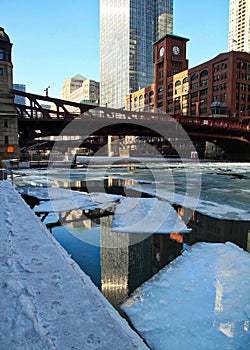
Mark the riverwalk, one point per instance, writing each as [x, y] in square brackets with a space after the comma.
[46, 300]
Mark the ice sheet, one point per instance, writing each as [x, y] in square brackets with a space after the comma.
[200, 301]
[147, 215]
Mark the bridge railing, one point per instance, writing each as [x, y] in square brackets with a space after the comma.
[228, 123]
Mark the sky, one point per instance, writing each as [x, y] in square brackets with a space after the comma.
[54, 39]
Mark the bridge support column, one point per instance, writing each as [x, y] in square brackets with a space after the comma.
[113, 146]
[9, 145]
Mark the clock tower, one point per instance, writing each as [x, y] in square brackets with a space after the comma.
[9, 145]
[169, 59]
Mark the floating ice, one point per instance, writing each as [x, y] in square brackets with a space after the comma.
[200, 301]
[147, 215]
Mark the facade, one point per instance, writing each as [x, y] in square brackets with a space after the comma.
[239, 27]
[128, 29]
[220, 86]
[9, 145]
[87, 93]
[71, 84]
[20, 99]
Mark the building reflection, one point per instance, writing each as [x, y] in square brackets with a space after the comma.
[209, 229]
[129, 259]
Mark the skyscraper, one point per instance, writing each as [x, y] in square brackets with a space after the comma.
[239, 28]
[128, 29]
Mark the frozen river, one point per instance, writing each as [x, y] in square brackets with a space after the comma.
[123, 222]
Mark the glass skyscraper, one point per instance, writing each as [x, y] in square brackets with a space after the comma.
[128, 29]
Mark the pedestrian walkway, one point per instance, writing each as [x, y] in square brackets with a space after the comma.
[46, 301]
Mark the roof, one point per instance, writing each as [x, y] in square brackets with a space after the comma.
[3, 35]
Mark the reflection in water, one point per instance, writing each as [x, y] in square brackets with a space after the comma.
[208, 229]
[117, 262]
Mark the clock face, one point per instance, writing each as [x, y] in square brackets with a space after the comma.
[161, 51]
[176, 50]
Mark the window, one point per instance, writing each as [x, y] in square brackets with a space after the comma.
[203, 92]
[170, 86]
[5, 124]
[6, 140]
[151, 93]
[160, 89]
[177, 83]
[194, 94]
[204, 73]
[1, 71]
[194, 86]
[185, 80]
[1, 55]
[194, 76]
[204, 82]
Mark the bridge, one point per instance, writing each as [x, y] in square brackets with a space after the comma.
[36, 120]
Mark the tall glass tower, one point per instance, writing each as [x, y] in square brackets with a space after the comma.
[128, 29]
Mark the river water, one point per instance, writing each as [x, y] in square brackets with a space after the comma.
[110, 215]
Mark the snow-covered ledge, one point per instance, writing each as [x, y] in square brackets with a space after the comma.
[47, 302]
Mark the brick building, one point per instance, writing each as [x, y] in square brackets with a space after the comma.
[220, 86]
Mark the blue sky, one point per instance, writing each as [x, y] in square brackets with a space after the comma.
[54, 39]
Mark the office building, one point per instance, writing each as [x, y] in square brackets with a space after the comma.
[71, 84]
[220, 86]
[87, 93]
[239, 27]
[128, 29]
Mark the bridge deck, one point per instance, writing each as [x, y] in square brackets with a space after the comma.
[47, 302]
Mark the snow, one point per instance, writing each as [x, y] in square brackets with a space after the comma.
[47, 302]
[216, 208]
[59, 199]
[200, 301]
[147, 215]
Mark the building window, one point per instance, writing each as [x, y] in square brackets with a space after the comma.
[170, 86]
[160, 89]
[160, 104]
[1, 71]
[5, 124]
[194, 77]
[6, 140]
[204, 82]
[177, 83]
[151, 93]
[204, 73]
[203, 111]
[1, 54]
[185, 80]
[194, 86]
[203, 92]
[194, 94]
